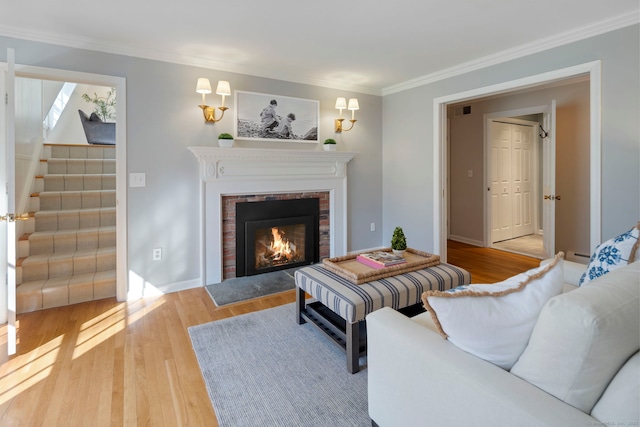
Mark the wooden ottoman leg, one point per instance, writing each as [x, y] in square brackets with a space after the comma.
[353, 347]
[300, 294]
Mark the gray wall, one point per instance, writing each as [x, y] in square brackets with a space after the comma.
[408, 133]
[466, 140]
[163, 120]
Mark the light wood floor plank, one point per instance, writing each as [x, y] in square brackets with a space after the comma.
[126, 364]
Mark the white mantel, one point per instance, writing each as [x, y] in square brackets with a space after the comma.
[237, 171]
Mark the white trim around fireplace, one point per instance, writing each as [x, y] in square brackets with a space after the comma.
[241, 171]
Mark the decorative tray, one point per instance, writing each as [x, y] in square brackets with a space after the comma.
[349, 268]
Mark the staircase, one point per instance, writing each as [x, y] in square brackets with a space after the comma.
[69, 255]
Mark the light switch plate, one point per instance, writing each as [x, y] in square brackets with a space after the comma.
[137, 180]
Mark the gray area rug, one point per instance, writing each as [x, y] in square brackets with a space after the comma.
[243, 288]
[263, 369]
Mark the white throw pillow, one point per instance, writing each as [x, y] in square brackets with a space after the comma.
[494, 322]
[614, 253]
[583, 337]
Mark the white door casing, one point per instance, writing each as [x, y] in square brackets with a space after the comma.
[440, 154]
[549, 181]
[8, 206]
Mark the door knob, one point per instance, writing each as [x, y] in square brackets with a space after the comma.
[12, 217]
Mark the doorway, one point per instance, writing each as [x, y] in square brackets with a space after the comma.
[441, 153]
[119, 83]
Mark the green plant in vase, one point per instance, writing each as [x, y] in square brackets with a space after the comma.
[225, 140]
[329, 144]
[398, 241]
[103, 106]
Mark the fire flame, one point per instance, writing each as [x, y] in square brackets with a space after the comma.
[280, 246]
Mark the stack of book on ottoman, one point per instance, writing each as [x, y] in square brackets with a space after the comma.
[380, 259]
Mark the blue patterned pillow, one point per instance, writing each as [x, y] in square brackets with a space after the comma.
[611, 254]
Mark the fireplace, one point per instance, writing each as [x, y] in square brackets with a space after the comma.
[226, 174]
[276, 234]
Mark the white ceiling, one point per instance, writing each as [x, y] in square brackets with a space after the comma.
[358, 45]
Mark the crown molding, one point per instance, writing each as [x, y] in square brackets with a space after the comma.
[540, 45]
[180, 59]
[158, 55]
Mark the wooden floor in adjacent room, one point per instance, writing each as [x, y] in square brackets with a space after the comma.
[114, 363]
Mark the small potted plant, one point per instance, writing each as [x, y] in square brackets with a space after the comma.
[225, 140]
[329, 144]
[398, 242]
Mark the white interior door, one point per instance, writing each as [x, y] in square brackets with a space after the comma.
[511, 180]
[549, 182]
[8, 205]
[500, 181]
[522, 179]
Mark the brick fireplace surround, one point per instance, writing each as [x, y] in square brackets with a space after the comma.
[229, 175]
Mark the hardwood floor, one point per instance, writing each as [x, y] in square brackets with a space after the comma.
[488, 265]
[113, 363]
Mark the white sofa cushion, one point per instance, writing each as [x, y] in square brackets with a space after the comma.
[583, 337]
[494, 322]
[619, 403]
[612, 254]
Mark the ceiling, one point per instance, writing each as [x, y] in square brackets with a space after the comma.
[358, 45]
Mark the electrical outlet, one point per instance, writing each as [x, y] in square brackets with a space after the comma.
[373, 226]
[470, 173]
[157, 254]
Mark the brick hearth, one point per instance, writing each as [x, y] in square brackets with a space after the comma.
[229, 223]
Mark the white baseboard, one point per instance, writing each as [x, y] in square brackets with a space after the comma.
[472, 242]
[580, 258]
[172, 287]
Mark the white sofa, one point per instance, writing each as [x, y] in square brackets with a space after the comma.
[418, 378]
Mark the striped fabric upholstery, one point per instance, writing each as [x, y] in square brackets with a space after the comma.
[353, 302]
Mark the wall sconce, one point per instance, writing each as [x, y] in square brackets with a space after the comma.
[204, 87]
[341, 104]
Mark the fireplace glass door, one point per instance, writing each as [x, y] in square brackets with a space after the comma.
[276, 234]
[278, 244]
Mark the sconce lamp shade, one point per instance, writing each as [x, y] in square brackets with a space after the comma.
[223, 88]
[203, 86]
[341, 104]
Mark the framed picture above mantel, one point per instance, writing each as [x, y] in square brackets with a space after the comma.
[265, 117]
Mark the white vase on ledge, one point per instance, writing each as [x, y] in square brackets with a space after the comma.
[225, 142]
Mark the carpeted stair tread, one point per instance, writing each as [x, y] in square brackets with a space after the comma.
[49, 293]
[74, 182]
[73, 219]
[79, 199]
[56, 241]
[48, 266]
[81, 166]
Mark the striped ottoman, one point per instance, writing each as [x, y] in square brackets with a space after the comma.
[340, 307]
